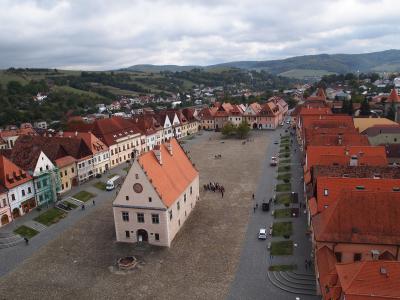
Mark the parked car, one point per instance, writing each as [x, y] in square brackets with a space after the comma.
[113, 182]
[276, 143]
[262, 235]
[274, 161]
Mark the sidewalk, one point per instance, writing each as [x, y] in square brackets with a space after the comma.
[13, 256]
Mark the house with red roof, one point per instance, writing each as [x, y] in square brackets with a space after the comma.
[383, 134]
[206, 116]
[250, 114]
[5, 211]
[9, 136]
[393, 103]
[20, 189]
[157, 196]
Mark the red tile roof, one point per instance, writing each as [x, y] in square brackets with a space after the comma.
[171, 177]
[326, 265]
[91, 141]
[65, 161]
[360, 217]
[370, 279]
[393, 96]
[11, 175]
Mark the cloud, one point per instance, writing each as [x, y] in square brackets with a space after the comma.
[105, 34]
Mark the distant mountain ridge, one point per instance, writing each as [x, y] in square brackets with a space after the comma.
[309, 65]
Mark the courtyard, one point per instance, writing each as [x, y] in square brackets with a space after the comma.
[80, 262]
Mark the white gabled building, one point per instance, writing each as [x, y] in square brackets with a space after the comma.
[157, 196]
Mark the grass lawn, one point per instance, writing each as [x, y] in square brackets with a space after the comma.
[83, 196]
[111, 176]
[282, 169]
[53, 215]
[283, 187]
[70, 204]
[282, 229]
[26, 231]
[283, 213]
[282, 268]
[282, 248]
[100, 185]
[285, 161]
[284, 198]
[285, 177]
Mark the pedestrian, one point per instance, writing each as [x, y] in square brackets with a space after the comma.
[254, 209]
[253, 196]
[222, 194]
[26, 240]
[94, 202]
[256, 205]
[306, 264]
[83, 206]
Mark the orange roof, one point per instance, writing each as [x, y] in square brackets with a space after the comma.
[171, 177]
[312, 204]
[393, 96]
[65, 161]
[329, 189]
[17, 132]
[11, 175]
[325, 262]
[316, 138]
[93, 143]
[360, 217]
[341, 155]
[370, 279]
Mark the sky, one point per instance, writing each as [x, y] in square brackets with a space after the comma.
[111, 34]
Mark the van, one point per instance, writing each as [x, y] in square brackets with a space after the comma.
[113, 182]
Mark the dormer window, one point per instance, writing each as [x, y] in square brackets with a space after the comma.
[326, 192]
[377, 176]
[396, 189]
[346, 176]
[360, 187]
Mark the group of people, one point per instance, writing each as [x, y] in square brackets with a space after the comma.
[215, 187]
[217, 156]
[308, 263]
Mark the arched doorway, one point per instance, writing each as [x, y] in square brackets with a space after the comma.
[142, 235]
[254, 125]
[16, 213]
[4, 220]
[386, 256]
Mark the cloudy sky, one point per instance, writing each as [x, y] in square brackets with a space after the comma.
[106, 34]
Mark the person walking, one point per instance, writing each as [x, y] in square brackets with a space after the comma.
[83, 206]
[94, 202]
[26, 240]
[253, 196]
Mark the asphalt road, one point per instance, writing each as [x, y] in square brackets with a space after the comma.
[251, 280]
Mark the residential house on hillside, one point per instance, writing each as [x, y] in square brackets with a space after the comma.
[9, 136]
[157, 196]
[20, 189]
[250, 114]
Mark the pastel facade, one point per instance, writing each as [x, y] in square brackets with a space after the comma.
[157, 196]
[68, 173]
[5, 211]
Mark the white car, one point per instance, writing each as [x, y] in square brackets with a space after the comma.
[274, 161]
[262, 235]
[287, 122]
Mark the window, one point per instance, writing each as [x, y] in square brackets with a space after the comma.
[140, 218]
[62, 186]
[38, 185]
[66, 184]
[4, 203]
[357, 256]
[156, 236]
[325, 192]
[184, 198]
[45, 182]
[61, 175]
[170, 214]
[112, 152]
[338, 256]
[40, 198]
[127, 198]
[12, 197]
[155, 219]
[29, 190]
[47, 167]
[41, 169]
[137, 176]
[191, 190]
[178, 205]
[72, 170]
[23, 193]
[127, 234]
[125, 216]
[179, 222]
[150, 199]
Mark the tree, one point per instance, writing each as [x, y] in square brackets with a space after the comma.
[228, 130]
[243, 130]
[364, 109]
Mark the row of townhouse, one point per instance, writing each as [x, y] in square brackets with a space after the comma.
[259, 116]
[353, 203]
[55, 163]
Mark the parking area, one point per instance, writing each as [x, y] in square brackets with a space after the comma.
[79, 262]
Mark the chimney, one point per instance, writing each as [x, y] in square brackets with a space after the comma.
[375, 254]
[157, 153]
[169, 147]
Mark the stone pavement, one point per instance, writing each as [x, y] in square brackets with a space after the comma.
[253, 280]
[13, 250]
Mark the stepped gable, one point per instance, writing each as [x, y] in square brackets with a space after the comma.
[171, 177]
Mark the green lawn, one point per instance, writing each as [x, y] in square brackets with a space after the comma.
[282, 229]
[53, 215]
[284, 198]
[111, 175]
[83, 196]
[282, 268]
[283, 187]
[283, 213]
[100, 185]
[26, 231]
[283, 169]
[284, 177]
[282, 248]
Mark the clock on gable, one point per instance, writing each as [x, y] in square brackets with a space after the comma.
[138, 188]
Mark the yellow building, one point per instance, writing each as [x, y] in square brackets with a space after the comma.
[68, 172]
